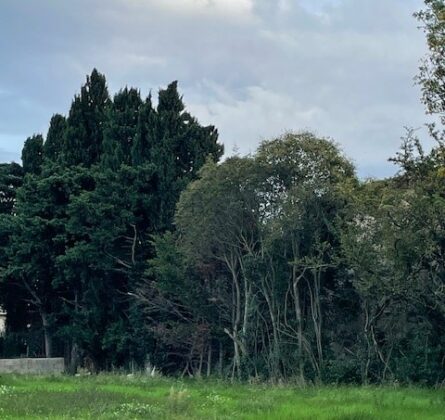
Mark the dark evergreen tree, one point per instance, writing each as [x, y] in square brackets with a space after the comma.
[120, 129]
[143, 141]
[180, 149]
[99, 263]
[11, 177]
[32, 252]
[32, 155]
[53, 146]
[85, 123]
[105, 180]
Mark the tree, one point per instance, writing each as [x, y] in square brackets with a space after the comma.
[120, 129]
[301, 203]
[214, 221]
[105, 180]
[180, 149]
[143, 141]
[32, 155]
[258, 222]
[85, 123]
[101, 228]
[34, 244]
[432, 70]
[11, 178]
[53, 146]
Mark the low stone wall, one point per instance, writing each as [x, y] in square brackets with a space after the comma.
[43, 366]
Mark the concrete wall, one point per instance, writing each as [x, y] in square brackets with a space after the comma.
[42, 366]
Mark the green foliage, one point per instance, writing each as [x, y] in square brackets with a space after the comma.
[85, 123]
[432, 70]
[32, 155]
[77, 232]
[11, 177]
[53, 147]
[125, 244]
[121, 128]
[141, 397]
[251, 228]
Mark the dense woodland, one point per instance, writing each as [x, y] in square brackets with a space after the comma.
[126, 242]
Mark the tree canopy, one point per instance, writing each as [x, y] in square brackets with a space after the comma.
[126, 243]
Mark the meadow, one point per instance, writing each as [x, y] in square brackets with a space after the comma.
[141, 397]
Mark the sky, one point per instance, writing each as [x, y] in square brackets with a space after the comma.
[255, 69]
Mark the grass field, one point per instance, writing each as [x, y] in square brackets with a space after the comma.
[134, 397]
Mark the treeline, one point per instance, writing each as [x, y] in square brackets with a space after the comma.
[287, 266]
[126, 243]
[277, 265]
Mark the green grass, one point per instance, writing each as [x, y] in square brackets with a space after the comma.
[138, 397]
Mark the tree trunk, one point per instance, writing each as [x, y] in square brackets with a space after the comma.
[297, 307]
[74, 359]
[74, 356]
[365, 374]
[201, 361]
[47, 335]
[275, 348]
[314, 295]
[220, 359]
[209, 360]
[231, 264]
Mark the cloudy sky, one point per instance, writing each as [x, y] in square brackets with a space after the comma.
[254, 68]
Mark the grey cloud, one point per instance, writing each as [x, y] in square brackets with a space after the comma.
[342, 68]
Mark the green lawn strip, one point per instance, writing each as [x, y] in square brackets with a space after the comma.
[348, 402]
[366, 403]
[37, 397]
[133, 397]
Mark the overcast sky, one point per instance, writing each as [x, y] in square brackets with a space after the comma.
[254, 68]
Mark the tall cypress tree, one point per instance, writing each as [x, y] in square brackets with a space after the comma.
[120, 128]
[32, 155]
[53, 145]
[143, 141]
[85, 123]
[181, 147]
